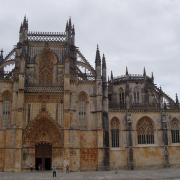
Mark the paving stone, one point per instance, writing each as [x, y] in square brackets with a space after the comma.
[155, 174]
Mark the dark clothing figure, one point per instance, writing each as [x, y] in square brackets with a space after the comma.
[67, 169]
[54, 172]
[31, 167]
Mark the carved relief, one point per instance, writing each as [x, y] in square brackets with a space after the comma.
[88, 158]
[46, 61]
[44, 97]
[43, 129]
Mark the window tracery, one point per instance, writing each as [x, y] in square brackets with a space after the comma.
[115, 132]
[82, 107]
[136, 95]
[46, 61]
[121, 96]
[6, 108]
[145, 131]
[175, 131]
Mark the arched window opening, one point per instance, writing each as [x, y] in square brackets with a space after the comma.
[175, 131]
[136, 95]
[82, 107]
[115, 132]
[6, 105]
[47, 61]
[145, 131]
[121, 96]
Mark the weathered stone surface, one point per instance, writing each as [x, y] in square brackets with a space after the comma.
[54, 98]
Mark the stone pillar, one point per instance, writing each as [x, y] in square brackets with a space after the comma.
[165, 139]
[19, 119]
[129, 141]
[66, 112]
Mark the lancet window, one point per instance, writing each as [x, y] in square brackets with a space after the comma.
[82, 107]
[121, 96]
[115, 132]
[136, 95]
[175, 131]
[6, 108]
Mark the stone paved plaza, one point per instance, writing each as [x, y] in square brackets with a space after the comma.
[158, 174]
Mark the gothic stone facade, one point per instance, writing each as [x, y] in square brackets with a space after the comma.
[57, 110]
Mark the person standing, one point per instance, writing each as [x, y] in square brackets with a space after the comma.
[67, 168]
[31, 167]
[54, 172]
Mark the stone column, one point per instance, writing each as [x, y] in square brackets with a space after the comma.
[165, 138]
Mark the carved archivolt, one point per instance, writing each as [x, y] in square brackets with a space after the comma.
[43, 129]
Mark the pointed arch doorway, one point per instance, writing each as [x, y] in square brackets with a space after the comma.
[43, 143]
[43, 156]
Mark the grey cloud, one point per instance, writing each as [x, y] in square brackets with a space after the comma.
[133, 33]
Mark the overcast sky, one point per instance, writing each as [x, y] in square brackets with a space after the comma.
[133, 33]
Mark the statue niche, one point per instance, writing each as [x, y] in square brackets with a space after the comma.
[46, 62]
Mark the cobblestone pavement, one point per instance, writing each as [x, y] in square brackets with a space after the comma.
[158, 174]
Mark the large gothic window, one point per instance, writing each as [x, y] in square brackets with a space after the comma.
[82, 107]
[121, 96]
[145, 131]
[175, 131]
[6, 108]
[115, 132]
[46, 61]
[136, 95]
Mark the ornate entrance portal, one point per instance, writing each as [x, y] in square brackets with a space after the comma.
[43, 143]
[43, 156]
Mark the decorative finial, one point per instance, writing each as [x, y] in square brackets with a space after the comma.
[24, 18]
[73, 30]
[67, 26]
[25, 23]
[152, 76]
[70, 25]
[165, 106]
[127, 71]
[144, 72]
[21, 28]
[103, 61]
[111, 75]
[177, 99]
[1, 54]
[98, 57]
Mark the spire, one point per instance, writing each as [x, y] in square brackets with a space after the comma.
[1, 54]
[25, 23]
[144, 72]
[111, 75]
[70, 25]
[161, 91]
[165, 106]
[152, 76]
[67, 26]
[24, 19]
[98, 58]
[103, 62]
[21, 28]
[127, 71]
[73, 30]
[177, 99]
